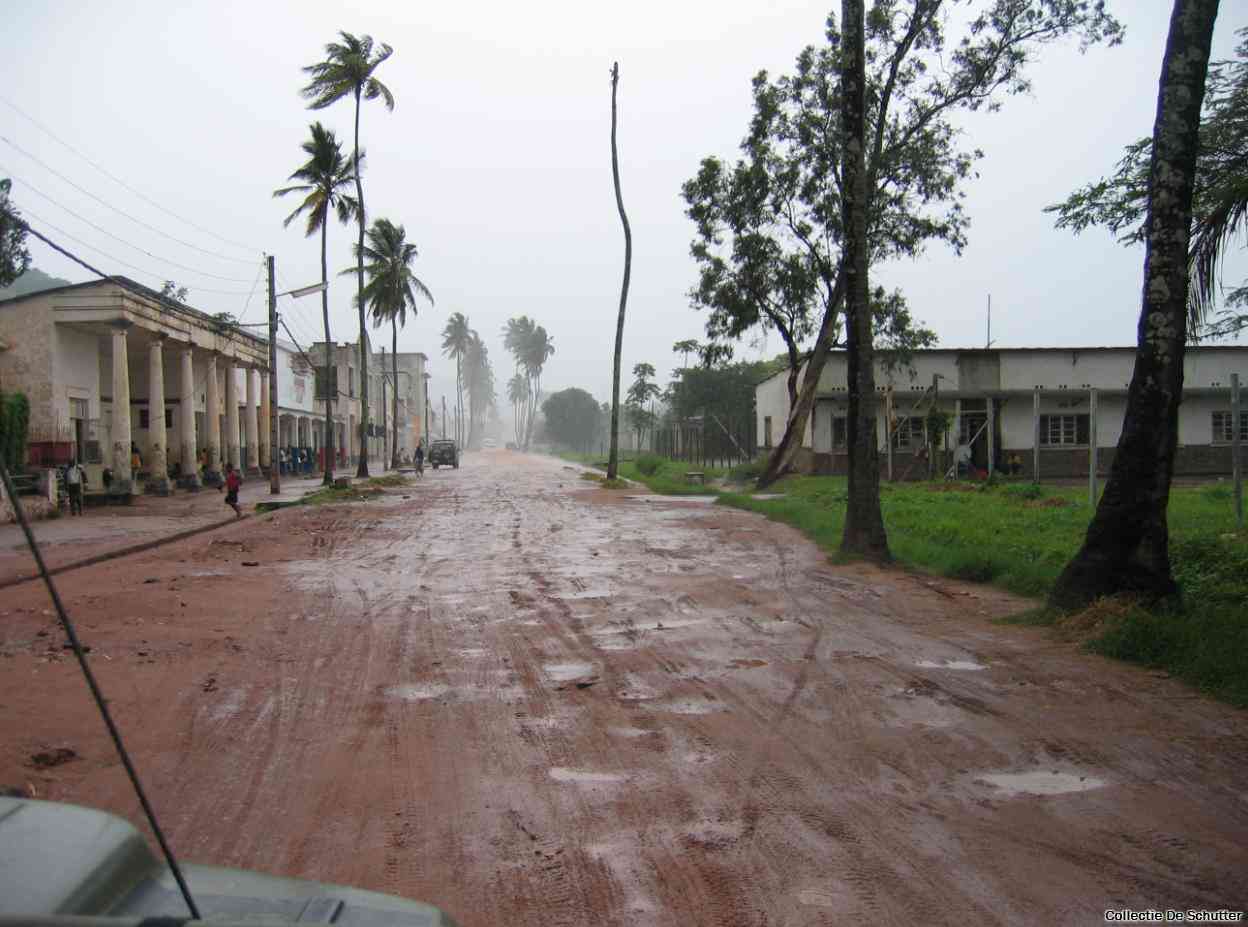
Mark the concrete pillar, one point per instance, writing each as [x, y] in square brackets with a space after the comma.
[232, 451]
[189, 478]
[212, 418]
[250, 421]
[157, 435]
[1035, 435]
[1092, 448]
[266, 422]
[123, 477]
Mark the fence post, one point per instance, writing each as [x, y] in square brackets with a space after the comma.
[1035, 436]
[1092, 448]
[1237, 467]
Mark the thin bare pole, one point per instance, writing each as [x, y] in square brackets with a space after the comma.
[613, 462]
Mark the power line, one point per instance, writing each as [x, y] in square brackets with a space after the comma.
[247, 305]
[116, 260]
[148, 226]
[118, 180]
[104, 231]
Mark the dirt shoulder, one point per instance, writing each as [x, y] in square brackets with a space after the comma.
[536, 703]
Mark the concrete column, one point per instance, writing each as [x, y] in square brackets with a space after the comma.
[232, 451]
[250, 421]
[190, 453]
[1092, 448]
[992, 429]
[123, 477]
[266, 412]
[212, 417]
[157, 435]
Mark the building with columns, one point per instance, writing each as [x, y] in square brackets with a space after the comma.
[143, 389]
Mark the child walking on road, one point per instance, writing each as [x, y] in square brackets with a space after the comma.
[232, 484]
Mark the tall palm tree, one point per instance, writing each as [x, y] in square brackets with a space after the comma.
[517, 337]
[348, 71]
[391, 291]
[324, 180]
[479, 379]
[518, 396]
[538, 347]
[455, 336]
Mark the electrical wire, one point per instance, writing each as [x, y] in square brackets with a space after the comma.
[129, 244]
[117, 260]
[118, 210]
[247, 305]
[100, 702]
[113, 177]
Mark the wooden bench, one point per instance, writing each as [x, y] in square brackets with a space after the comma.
[695, 476]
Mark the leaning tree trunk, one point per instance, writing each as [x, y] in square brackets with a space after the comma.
[329, 363]
[864, 533]
[394, 393]
[1127, 547]
[613, 461]
[362, 468]
[781, 459]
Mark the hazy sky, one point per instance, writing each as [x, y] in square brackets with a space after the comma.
[497, 160]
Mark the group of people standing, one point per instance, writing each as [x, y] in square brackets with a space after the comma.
[295, 460]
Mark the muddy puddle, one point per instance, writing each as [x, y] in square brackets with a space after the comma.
[1040, 782]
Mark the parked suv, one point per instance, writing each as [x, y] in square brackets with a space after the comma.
[443, 453]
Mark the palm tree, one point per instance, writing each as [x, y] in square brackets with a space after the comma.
[537, 349]
[348, 71]
[391, 291]
[518, 396]
[479, 379]
[323, 181]
[455, 336]
[685, 348]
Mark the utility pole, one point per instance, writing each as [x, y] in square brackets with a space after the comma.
[1237, 467]
[444, 415]
[275, 479]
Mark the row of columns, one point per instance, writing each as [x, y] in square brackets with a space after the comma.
[255, 420]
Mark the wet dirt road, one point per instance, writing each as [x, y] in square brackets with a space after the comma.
[536, 703]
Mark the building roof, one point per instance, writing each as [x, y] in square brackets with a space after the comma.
[137, 289]
[1089, 349]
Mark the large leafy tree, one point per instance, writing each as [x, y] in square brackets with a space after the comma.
[1127, 547]
[323, 181]
[1219, 201]
[347, 71]
[14, 258]
[390, 293]
[573, 418]
[917, 82]
[455, 337]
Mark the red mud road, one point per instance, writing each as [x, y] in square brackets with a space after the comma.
[534, 703]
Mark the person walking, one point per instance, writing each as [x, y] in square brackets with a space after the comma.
[419, 457]
[233, 482]
[75, 480]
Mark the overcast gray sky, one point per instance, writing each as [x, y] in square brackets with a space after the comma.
[496, 159]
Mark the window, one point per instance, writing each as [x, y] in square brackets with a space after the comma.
[78, 408]
[143, 418]
[1222, 427]
[320, 382]
[169, 418]
[351, 382]
[766, 431]
[969, 425]
[1059, 430]
[908, 433]
[840, 433]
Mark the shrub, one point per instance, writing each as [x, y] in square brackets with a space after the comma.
[750, 470]
[14, 423]
[1023, 491]
[649, 464]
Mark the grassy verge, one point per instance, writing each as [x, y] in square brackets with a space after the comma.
[355, 492]
[1019, 537]
[657, 473]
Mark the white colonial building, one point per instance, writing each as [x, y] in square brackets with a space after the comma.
[1035, 410]
[142, 388]
[149, 392]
